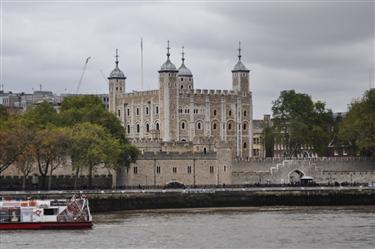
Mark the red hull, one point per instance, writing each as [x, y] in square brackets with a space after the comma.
[45, 225]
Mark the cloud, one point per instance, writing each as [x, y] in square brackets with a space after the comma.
[325, 49]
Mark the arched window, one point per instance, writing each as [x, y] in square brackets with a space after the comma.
[157, 126]
[244, 113]
[183, 125]
[244, 145]
[230, 113]
[138, 128]
[204, 150]
[137, 111]
[214, 127]
[229, 126]
[214, 112]
[147, 127]
[157, 109]
[199, 125]
[147, 110]
[128, 128]
[244, 126]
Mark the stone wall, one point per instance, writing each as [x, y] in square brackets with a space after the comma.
[59, 182]
[155, 169]
[324, 170]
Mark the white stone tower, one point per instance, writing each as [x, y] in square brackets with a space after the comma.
[167, 99]
[116, 81]
[240, 75]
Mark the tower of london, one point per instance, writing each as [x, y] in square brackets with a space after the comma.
[179, 117]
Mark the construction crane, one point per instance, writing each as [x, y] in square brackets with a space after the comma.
[101, 72]
[83, 73]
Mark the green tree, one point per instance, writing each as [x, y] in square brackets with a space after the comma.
[91, 146]
[358, 126]
[50, 148]
[40, 116]
[89, 108]
[300, 122]
[14, 139]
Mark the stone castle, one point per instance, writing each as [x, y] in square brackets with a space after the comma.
[180, 118]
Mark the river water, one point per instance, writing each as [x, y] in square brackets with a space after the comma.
[265, 227]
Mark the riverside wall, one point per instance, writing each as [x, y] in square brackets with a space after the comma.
[198, 198]
[324, 170]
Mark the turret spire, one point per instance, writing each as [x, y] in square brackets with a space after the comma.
[116, 57]
[168, 54]
[183, 55]
[239, 50]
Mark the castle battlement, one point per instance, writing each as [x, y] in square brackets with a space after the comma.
[142, 93]
[214, 92]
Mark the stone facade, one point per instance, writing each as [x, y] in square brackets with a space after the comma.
[178, 113]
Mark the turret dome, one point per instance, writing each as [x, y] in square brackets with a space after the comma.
[168, 66]
[183, 70]
[117, 73]
[240, 67]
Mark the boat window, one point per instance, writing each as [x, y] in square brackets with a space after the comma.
[50, 211]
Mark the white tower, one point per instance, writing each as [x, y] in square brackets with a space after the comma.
[116, 82]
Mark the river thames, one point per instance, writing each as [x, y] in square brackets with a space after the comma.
[255, 227]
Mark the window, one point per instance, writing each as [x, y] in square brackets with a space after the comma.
[174, 170]
[157, 126]
[182, 87]
[128, 110]
[230, 113]
[199, 125]
[229, 126]
[245, 145]
[189, 169]
[135, 170]
[211, 169]
[147, 110]
[244, 127]
[214, 112]
[137, 111]
[183, 125]
[214, 127]
[225, 168]
[138, 128]
[119, 113]
[157, 109]
[50, 211]
[158, 170]
[244, 113]
[147, 127]
[128, 128]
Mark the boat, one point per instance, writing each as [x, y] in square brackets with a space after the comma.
[73, 213]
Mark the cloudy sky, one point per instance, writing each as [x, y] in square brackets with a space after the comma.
[323, 48]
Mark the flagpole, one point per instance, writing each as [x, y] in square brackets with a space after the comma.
[141, 63]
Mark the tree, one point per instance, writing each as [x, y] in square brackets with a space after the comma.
[358, 126]
[14, 139]
[91, 146]
[80, 109]
[50, 150]
[40, 116]
[25, 164]
[300, 122]
[89, 108]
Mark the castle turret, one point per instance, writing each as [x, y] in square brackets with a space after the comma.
[240, 75]
[168, 99]
[184, 75]
[116, 81]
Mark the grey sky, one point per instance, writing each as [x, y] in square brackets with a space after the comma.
[325, 49]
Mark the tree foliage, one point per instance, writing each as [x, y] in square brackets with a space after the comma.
[358, 126]
[92, 145]
[300, 122]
